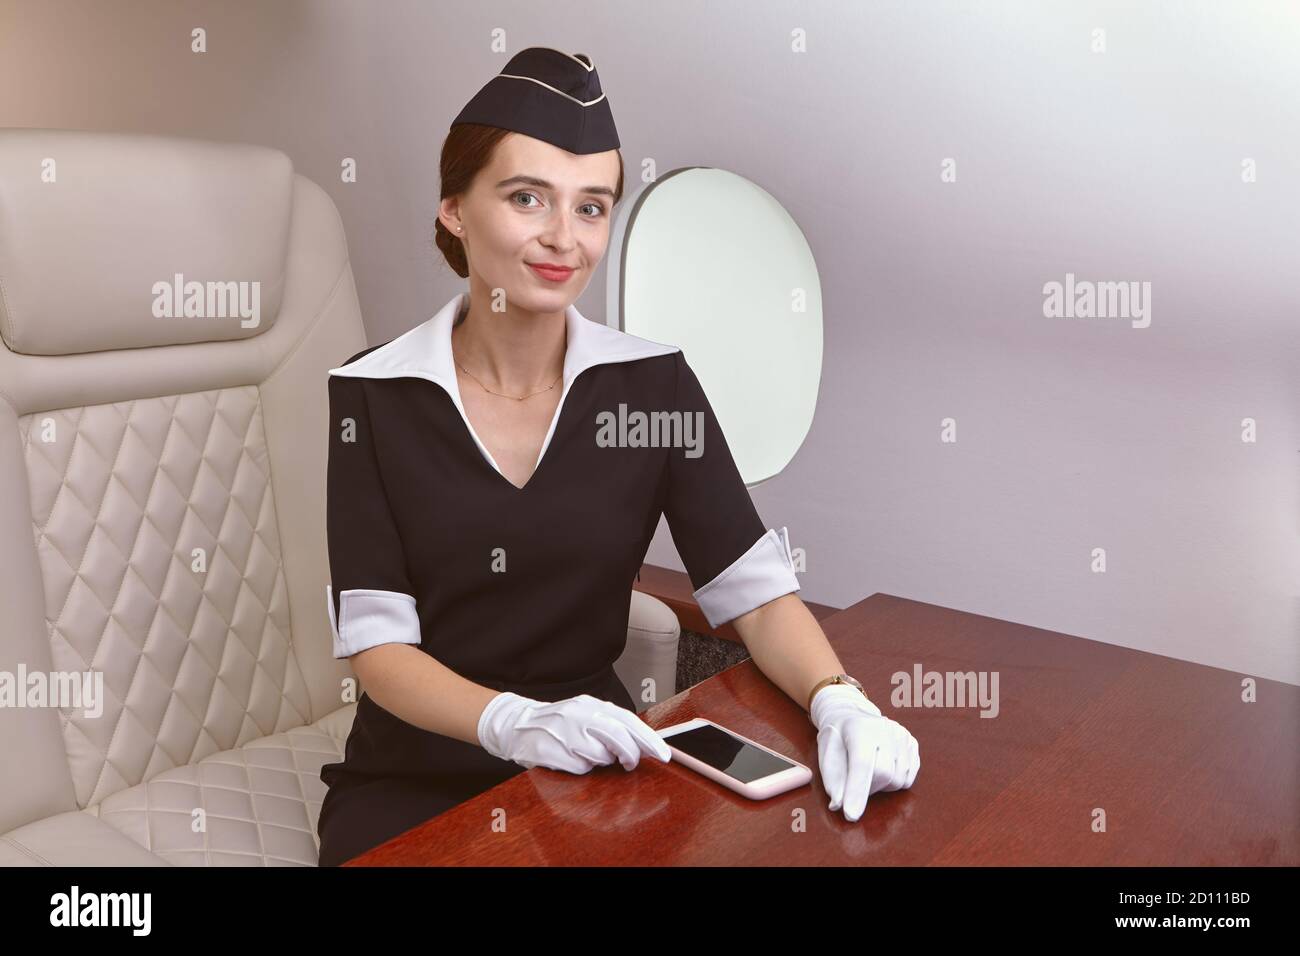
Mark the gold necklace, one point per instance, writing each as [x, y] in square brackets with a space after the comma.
[517, 398]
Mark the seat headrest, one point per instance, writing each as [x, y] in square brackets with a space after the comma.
[128, 240]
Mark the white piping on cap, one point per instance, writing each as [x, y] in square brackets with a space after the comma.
[512, 76]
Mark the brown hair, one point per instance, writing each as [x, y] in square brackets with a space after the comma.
[468, 149]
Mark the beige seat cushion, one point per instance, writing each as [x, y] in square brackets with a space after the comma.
[261, 803]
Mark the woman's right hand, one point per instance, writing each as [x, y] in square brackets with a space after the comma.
[574, 734]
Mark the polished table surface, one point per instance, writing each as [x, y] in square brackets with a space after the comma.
[1098, 755]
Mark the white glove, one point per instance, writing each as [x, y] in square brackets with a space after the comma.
[858, 750]
[574, 734]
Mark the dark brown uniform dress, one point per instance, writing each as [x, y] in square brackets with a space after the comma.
[521, 589]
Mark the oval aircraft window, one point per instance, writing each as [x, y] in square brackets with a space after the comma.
[706, 260]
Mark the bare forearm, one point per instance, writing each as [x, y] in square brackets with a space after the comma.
[788, 646]
[421, 690]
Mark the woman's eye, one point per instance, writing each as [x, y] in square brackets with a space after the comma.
[597, 208]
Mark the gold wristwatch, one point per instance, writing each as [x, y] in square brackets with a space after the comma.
[834, 679]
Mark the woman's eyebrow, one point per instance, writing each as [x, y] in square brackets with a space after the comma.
[543, 184]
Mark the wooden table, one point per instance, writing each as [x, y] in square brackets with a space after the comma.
[1165, 753]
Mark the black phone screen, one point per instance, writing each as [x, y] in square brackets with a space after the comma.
[721, 751]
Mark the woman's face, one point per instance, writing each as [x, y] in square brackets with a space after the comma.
[535, 203]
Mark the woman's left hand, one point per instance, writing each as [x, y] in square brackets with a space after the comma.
[858, 750]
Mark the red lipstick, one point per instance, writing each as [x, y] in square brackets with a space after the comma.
[551, 272]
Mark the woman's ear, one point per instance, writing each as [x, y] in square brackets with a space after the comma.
[449, 215]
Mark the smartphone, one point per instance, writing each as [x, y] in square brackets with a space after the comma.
[736, 762]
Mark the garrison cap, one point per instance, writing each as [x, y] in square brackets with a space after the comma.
[548, 95]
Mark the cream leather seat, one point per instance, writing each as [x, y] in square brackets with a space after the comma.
[162, 488]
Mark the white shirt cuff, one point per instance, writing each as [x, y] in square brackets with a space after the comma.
[368, 618]
[761, 574]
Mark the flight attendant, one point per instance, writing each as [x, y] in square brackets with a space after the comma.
[485, 532]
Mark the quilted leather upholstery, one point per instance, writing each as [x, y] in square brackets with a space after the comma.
[162, 510]
[261, 801]
[195, 662]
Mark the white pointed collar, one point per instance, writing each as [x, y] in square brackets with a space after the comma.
[425, 351]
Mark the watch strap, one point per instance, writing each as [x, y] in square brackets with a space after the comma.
[826, 682]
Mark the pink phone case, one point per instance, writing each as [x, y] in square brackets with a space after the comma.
[769, 786]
